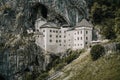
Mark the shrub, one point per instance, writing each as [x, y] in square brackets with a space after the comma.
[43, 76]
[118, 47]
[97, 51]
[60, 66]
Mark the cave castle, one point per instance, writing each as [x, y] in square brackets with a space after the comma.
[56, 39]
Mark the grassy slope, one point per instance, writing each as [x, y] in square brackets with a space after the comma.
[105, 68]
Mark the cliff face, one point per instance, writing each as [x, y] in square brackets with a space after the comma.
[18, 50]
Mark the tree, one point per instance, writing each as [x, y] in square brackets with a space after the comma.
[108, 33]
[97, 51]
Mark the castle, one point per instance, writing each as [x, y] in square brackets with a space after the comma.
[56, 39]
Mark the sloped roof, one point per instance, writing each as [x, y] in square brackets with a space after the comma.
[49, 25]
[83, 23]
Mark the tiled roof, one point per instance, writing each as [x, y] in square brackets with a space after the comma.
[49, 25]
[84, 23]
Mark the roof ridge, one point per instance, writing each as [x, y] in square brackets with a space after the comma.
[84, 23]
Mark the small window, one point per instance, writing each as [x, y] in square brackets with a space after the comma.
[60, 45]
[50, 30]
[64, 36]
[56, 41]
[81, 38]
[56, 36]
[50, 40]
[65, 41]
[78, 38]
[75, 44]
[81, 32]
[86, 38]
[43, 30]
[78, 44]
[69, 44]
[78, 32]
[64, 31]
[37, 30]
[86, 43]
[59, 31]
[86, 32]
[75, 33]
[69, 39]
[56, 31]
[50, 35]
[59, 40]
[60, 36]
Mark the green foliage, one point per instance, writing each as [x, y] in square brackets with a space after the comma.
[106, 68]
[59, 66]
[28, 76]
[42, 76]
[107, 14]
[71, 57]
[118, 47]
[97, 51]
[58, 63]
[108, 33]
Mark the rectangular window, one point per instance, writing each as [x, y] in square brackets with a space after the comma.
[56, 31]
[59, 40]
[81, 32]
[56, 41]
[50, 30]
[60, 36]
[86, 32]
[86, 38]
[81, 38]
[65, 41]
[50, 35]
[43, 30]
[50, 40]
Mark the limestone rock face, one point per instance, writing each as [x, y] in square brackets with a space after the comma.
[18, 50]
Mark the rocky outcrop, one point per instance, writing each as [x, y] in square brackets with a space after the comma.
[18, 51]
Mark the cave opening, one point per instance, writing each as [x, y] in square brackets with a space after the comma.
[2, 77]
[39, 7]
[38, 10]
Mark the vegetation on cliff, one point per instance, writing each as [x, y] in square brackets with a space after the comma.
[106, 16]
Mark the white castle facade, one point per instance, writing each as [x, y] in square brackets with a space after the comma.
[56, 39]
